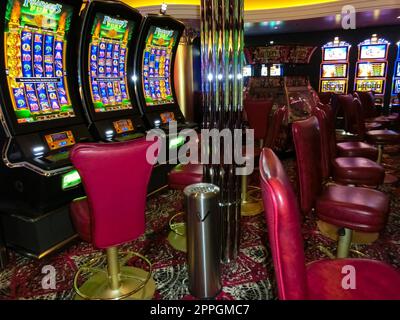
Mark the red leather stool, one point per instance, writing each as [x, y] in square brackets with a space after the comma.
[346, 149]
[115, 177]
[179, 178]
[345, 170]
[319, 280]
[348, 208]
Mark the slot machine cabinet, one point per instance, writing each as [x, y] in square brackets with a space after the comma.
[334, 74]
[395, 98]
[41, 121]
[109, 37]
[154, 67]
[371, 68]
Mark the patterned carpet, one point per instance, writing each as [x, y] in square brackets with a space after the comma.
[250, 277]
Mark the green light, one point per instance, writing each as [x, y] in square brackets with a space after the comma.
[176, 142]
[70, 180]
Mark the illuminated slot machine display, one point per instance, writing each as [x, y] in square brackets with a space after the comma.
[395, 99]
[107, 46]
[41, 121]
[159, 39]
[371, 68]
[335, 67]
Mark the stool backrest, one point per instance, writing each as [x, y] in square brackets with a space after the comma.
[330, 120]
[367, 100]
[345, 103]
[358, 120]
[277, 121]
[306, 138]
[258, 112]
[115, 177]
[284, 229]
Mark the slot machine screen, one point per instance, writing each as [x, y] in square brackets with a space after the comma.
[264, 70]
[335, 53]
[375, 51]
[367, 69]
[108, 51]
[275, 70]
[156, 66]
[247, 71]
[397, 69]
[35, 49]
[397, 86]
[334, 70]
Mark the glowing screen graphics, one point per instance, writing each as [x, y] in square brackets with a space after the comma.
[124, 125]
[397, 72]
[335, 53]
[167, 117]
[275, 70]
[264, 70]
[376, 51]
[337, 86]
[334, 70]
[247, 71]
[35, 46]
[108, 53]
[157, 66]
[367, 69]
[396, 88]
[370, 85]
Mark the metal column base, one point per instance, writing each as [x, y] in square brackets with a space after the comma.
[249, 205]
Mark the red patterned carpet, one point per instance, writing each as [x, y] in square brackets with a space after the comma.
[251, 277]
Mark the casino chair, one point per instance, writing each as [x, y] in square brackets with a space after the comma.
[350, 118]
[347, 208]
[115, 177]
[378, 137]
[356, 171]
[325, 97]
[349, 148]
[258, 114]
[179, 178]
[318, 280]
[371, 112]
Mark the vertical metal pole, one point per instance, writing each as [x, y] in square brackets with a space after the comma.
[113, 268]
[222, 87]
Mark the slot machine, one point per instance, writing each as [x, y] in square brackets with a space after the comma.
[41, 121]
[371, 68]
[334, 75]
[395, 99]
[109, 35]
[154, 66]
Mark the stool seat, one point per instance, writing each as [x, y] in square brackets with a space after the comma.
[80, 215]
[374, 280]
[383, 136]
[355, 208]
[184, 175]
[357, 149]
[357, 171]
[373, 125]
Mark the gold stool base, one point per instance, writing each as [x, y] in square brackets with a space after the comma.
[177, 235]
[130, 278]
[331, 231]
[251, 208]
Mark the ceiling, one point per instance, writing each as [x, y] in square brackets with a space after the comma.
[285, 16]
[331, 22]
[248, 4]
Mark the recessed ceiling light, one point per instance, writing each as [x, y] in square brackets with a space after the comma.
[398, 17]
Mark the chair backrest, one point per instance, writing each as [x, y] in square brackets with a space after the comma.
[284, 229]
[325, 97]
[115, 177]
[258, 112]
[330, 120]
[358, 120]
[367, 100]
[345, 102]
[277, 121]
[306, 138]
[326, 157]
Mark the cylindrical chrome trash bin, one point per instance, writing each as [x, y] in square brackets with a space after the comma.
[203, 239]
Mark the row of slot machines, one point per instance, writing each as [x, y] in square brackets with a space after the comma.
[371, 69]
[68, 75]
